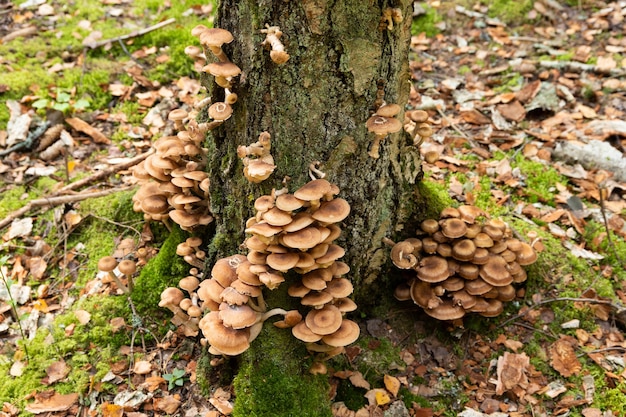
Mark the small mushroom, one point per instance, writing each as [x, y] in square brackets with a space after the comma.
[213, 39]
[381, 127]
[277, 53]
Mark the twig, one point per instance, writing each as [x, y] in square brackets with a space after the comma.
[614, 306]
[456, 128]
[56, 201]
[104, 173]
[104, 219]
[94, 45]
[580, 67]
[606, 227]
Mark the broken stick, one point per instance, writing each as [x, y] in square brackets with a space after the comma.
[94, 45]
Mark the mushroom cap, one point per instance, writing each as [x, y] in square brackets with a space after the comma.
[477, 287]
[277, 217]
[481, 256]
[246, 289]
[298, 289]
[473, 230]
[127, 267]
[237, 316]
[388, 110]
[306, 238]
[453, 284]
[402, 292]
[464, 299]
[302, 332]
[418, 116]
[333, 253]
[506, 293]
[288, 202]
[494, 308]
[317, 279]
[305, 261]
[299, 221]
[184, 219]
[313, 190]
[279, 57]
[382, 126]
[177, 114]
[433, 269]
[271, 279]
[332, 211]
[254, 243]
[210, 289]
[526, 255]
[429, 245]
[224, 271]
[316, 299]
[263, 229]
[193, 51]
[483, 240]
[402, 255]
[453, 228]
[445, 250]
[335, 232]
[220, 111]
[345, 304]
[246, 274]
[227, 340]
[468, 271]
[340, 287]
[231, 296]
[339, 268]
[215, 37]
[282, 261]
[154, 204]
[493, 232]
[324, 321]
[449, 212]
[495, 272]
[257, 258]
[464, 250]
[447, 310]
[171, 296]
[423, 295]
[430, 226]
[347, 333]
[264, 203]
[222, 69]
[107, 263]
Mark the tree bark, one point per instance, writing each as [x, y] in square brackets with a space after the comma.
[315, 107]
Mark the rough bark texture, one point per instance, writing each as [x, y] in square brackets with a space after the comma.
[315, 107]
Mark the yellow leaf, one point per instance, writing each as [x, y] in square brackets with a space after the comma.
[382, 398]
[41, 305]
[392, 384]
[70, 166]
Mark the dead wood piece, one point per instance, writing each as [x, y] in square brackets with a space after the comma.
[134, 34]
[27, 31]
[86, 128]
[580, 67]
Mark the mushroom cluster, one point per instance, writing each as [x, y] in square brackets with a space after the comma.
[382, 123]
[257, 161]
[463, 263]
[418, 127]
[288, 232]
[173, 182]
[114, 271]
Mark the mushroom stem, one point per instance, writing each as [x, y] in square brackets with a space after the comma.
[119, 283]
[272, 35]
[388, 241]
[230, 97]
[219, 53]
[315, 173]
[374, 151]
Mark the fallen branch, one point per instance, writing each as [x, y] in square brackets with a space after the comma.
[94, 45]
[56, 201]
[580, 67]
[104, 173]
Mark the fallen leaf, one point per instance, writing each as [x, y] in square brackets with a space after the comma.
[358, 381]
[50, 404]
[142, 367]
[511, 371]
[169, 404]
[392, 384]
[82, 126]
[82, 316]
[55, 372]
[152, 383]
[563, 357]
[111, 410]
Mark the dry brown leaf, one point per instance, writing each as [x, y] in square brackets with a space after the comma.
[563, 357]
[152, 383]
[512, 111]
[392, 384]
[82, 126]
[55, 372]
[223, 406]
[142, 367]
[83, 316]
[511, 371]
[51, 402]
[358, 381]
[37, 266]
[475, 117]
[168, 404]
[514, 345]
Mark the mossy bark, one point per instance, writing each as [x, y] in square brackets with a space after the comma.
[315, 107]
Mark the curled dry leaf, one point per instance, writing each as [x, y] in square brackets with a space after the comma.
[83, 316]
[55, 372]
[142, 367]
[46, 403]
[563, 357]
[511, 372]
[358, 381]
[392, 384]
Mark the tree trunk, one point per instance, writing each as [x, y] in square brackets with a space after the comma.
[315, 107]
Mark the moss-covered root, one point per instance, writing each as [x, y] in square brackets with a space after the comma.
[273, 380]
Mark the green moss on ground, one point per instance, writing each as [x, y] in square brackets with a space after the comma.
[273, 380]
[164, 270]
[427, 23]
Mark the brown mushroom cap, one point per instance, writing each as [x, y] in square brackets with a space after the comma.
[220, 111]
[222, 69]
[506, 293]
[171, 296]
[444, 249]
[423, 295]
[184, 219]
[481, 256]
[345, 304]
[210, 289]
[224, 271]
[313, 190]
[214, 36]
[453, 284]
[263, 229]
[237, 316]
[299, 222]
[469, 213]
[333, 253]
[483, 240]
[177, 115]
[388, 110]
[477, 287]
[464, 299]
[383, 126]
[279, 57]
[526, 255]
[433, 269]
[316, 299]
[302, 332]
[339, 268]
[317, 279]
[468, 271]
[231, 296]
[495, 272]
[264, 203]
[189, 284]
[154, 204]
[277, 217]
[493, 232]
[464, 250]
[430, 226]
[306, 238]
[298, 289]
[453, 228]
[494, 308]
[418, 116]
[271, 279]
[402, 255]
[445, 311]
[347, 333]
[449, 212]
[402, 292]
[324, 321]
[339, 287]
[282, 261]
[107, 264]
[226, 340]
[332, 211]
[288, 202]
[429, 245]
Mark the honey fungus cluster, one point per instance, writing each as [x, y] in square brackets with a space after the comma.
[463, 263]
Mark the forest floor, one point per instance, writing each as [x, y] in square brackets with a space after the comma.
[527, 112]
